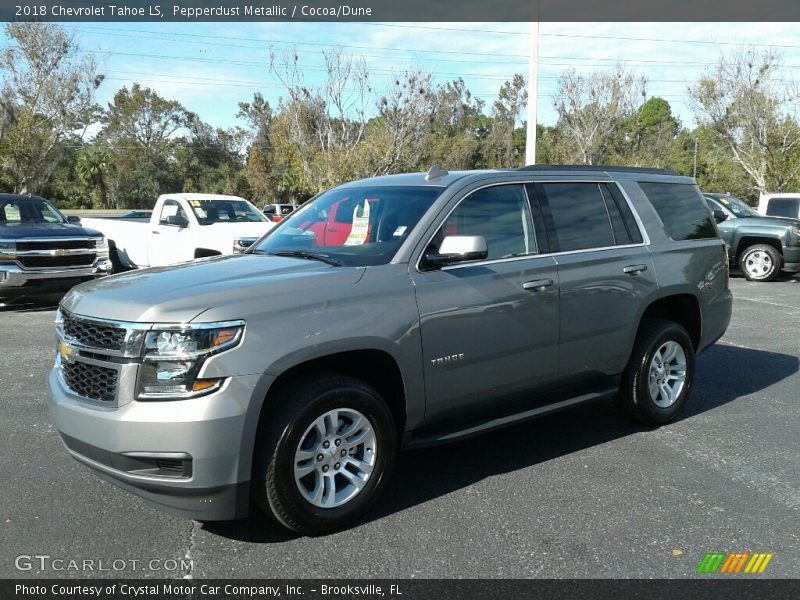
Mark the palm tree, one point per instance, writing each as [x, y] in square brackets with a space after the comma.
[92, 167]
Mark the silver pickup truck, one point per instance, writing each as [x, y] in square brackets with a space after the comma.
[42, 252]
[387, 313]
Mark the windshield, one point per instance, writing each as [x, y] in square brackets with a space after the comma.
[352, 226]
[223, 210]
[28, 211]
[738, 207]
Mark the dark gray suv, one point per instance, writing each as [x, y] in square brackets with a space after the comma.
[390, 312]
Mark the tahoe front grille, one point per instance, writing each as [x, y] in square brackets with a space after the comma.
[93, 335]
[57, 245]
[40, 262]
[91, 381]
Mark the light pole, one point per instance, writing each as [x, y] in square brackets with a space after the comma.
[533, 92]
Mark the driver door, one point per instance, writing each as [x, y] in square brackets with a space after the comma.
[490, 328]
[169, 244]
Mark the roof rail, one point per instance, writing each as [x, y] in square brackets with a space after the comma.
[597, 168]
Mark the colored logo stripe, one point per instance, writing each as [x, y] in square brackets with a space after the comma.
[733, 563]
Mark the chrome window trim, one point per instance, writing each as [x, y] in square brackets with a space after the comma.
[543, 255]
[642, 231]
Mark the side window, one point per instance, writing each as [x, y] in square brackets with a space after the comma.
[500, 214]
[578, 216]
[170, 208]
[614, 198]
[784, 207]
[682, 209]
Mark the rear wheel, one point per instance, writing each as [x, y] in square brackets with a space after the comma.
[659, 375]
[760, 262]
[323, 457]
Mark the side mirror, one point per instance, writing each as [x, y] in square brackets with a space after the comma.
[177, 220]
[720, 216]
[458, 248]
[74, 220]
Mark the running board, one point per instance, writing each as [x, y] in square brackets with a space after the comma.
[508, 420]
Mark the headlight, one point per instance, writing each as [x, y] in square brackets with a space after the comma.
[101, 245]
[242, 244]
[796, 231]
[8, 251]
[174, 356]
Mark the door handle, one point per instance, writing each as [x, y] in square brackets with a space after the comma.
[634, 269]
[537, 285]
[332, 229]
[155, 231]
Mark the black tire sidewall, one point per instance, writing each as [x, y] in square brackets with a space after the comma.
[306, 517]
[648, 410]
[773, 254]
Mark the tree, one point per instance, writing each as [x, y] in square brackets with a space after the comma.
[591, 110]
[143, 133]
[747, 105]
[399, 136]
[258, 116]
[511, 101]
[48, 87]
[92, 167]
[141, 118]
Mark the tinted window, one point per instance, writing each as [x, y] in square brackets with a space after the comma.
[614, 197]
[500, 214]
[33, 210]
[682, 209]
[784, 207]
[578, 216]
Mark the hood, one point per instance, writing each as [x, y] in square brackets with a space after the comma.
[19, 231]
[254, 230]
[775, 221]
[179, 293]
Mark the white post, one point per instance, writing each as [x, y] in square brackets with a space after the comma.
[533, 93]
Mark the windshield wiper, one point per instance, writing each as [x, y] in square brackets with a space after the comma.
[307, 255]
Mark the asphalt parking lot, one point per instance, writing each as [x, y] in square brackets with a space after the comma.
[577, 494]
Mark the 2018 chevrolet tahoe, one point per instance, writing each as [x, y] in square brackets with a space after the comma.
[433, 307]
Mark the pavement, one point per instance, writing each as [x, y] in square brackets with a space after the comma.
[577, 494]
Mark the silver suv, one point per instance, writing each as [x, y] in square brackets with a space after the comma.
[390, 312]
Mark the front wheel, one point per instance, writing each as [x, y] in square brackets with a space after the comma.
[323, 457]
[659, 375]
[760, 262]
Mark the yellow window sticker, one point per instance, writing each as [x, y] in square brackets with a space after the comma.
[360, 229]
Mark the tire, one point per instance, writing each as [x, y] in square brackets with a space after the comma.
[656, 340]
[760, 262]
[294, 432]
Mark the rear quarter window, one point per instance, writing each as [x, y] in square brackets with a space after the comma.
[682, 209]
[784, 207]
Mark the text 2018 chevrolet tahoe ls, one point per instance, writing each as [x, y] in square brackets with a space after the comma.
[389, 312]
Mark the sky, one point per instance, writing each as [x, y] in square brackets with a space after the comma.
[210, 67]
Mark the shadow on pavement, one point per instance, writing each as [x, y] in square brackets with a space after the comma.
[724, 374]
[31, 304]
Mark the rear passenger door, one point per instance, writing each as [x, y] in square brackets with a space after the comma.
[489, 328]
[605, 275]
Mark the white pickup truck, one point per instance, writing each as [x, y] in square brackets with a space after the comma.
[182, 227]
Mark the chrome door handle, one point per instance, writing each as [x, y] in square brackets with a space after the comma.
[537, 285]
[634, 269]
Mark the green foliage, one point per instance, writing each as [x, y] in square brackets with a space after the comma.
[748, 140]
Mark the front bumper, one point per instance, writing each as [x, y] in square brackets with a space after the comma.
[204, 435]
[791, 258]
[13, 276]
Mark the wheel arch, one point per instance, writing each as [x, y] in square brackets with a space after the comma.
[751, 240]
[683, 308]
